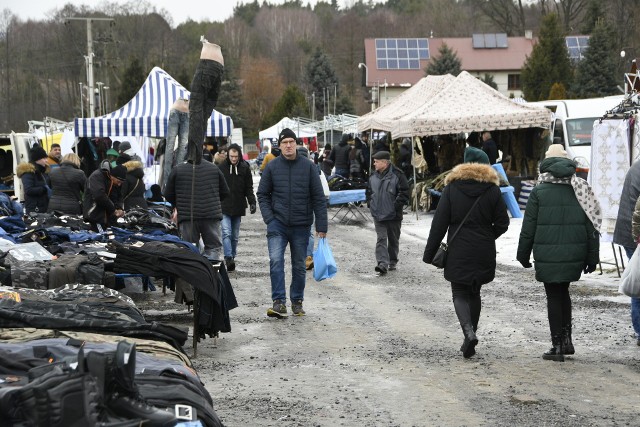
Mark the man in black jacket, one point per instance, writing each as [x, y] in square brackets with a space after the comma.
[195, 190]
[238, 175]
[102, 199]
[387, 193]
[340, 156]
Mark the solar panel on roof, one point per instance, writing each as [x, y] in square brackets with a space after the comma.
[490, 41]
[502, 41]
[577, 46]
[401, 54]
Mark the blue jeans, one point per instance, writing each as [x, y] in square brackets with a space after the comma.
[310, 244]
[177, 126]
[342, 172]
[205, 88]
[278, 236]
[230, 233]
[635, 302]
[209, 231]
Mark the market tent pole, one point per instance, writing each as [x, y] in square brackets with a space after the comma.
[413, 150]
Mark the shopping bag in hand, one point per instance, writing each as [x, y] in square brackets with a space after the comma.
[630, 281]
[324, 266]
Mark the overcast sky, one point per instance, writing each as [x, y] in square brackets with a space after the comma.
[180, 10]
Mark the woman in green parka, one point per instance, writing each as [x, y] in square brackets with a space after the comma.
[561, 226]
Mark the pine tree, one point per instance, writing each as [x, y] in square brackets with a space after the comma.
[133, 78]
[292, 103]
[446, 63]
[549, 62]
[320, 77]
[558, 91]
[489, 80]
[596, 73]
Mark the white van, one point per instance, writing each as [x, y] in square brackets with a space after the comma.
[573, 123]
[14, 149]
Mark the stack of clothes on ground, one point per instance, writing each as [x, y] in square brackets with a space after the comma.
[74, 350]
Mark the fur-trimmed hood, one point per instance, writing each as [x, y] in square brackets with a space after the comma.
[132, 164]
[28, 168]
[473, 171]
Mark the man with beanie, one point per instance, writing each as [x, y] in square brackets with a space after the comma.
[237, 174]
[340, 156]
[35, 180]
[196, 190]
[387, 193]
[102, 202]
[290, 195]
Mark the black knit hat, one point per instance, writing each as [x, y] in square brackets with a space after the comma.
[286, 133]
[119, 172]
[36, 153]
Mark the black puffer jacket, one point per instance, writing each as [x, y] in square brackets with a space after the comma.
[340, 155]
[35, 180]
[240, 185]
[209, 189]
[67, 183]
[472, 254]
[386, 193]
[133, 188]
[101, 199]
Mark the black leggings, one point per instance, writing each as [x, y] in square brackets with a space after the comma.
[558, 307]
[467, 302]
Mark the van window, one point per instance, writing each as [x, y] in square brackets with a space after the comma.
[579, 131]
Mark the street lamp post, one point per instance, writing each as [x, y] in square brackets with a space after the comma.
[81, 101]
[630, 78]
[99, 90]
[106, 99]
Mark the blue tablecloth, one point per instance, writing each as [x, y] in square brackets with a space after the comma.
[346, 196]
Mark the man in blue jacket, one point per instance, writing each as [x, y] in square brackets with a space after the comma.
[290, 194]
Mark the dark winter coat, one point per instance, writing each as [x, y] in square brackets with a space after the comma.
[628, 197]
[67, 183]
[208, 190]
[240, 188]
[36, 185]
[472, 254]
[101, 198]
[291, 192]
[387, 193]
[133, 188]
[340, 155]
[491, 149]
[556, 228]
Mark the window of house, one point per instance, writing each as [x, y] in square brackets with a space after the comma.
[514, 82]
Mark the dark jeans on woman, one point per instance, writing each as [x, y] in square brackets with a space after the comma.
[558, 307]
[205, 89]
[467, 302]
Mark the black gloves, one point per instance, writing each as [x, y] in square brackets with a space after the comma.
[525, 264]
[589, 268]
[252, 209]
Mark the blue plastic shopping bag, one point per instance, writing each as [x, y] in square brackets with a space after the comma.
[324, 266]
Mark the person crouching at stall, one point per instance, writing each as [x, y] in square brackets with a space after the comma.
[102, 202]
[67, 183]
[561, 227]
[473, 214]
[35, 181]
[133, 188]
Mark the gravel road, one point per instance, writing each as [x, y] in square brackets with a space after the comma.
[384, 351]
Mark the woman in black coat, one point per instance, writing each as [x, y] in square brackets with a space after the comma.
[471, 260]
[35, 180]
[67, 184]
[133, 188]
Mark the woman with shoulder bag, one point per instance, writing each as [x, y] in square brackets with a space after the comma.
[472, 210]
[67, 185]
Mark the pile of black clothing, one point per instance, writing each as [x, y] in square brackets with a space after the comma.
[338, 183]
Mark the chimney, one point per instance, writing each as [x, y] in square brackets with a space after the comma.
[528, 34]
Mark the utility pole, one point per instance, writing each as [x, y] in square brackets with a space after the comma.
[89, 60]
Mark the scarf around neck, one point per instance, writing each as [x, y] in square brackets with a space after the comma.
[585, 195]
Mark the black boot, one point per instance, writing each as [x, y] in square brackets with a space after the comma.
[555, 353]
[567, 344]
[470, 341]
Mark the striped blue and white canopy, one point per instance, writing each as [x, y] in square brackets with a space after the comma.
[147, 113]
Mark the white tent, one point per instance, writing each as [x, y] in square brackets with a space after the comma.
[384, 117]
[147, 113]
[467, 104]
[298, 128]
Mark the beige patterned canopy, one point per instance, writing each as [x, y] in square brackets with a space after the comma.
[467, 104]
[384, 117]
